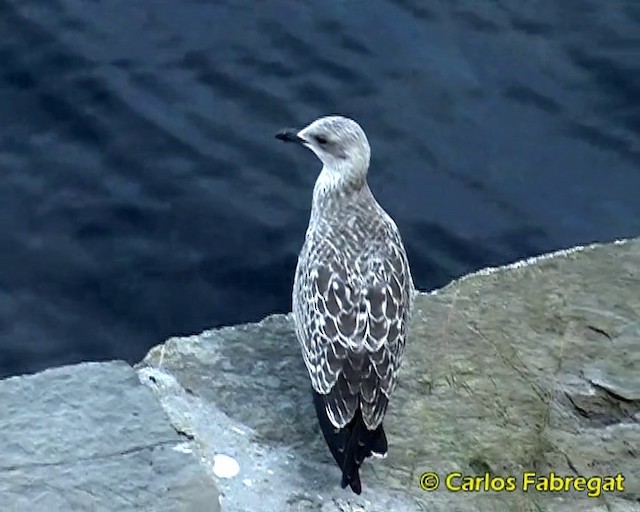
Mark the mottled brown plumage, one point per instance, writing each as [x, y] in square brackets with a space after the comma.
[352, 295]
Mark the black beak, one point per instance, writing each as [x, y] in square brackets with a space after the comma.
[290, 135]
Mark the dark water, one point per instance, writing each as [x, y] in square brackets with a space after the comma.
[143, 195]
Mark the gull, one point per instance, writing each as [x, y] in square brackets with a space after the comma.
[352, 297]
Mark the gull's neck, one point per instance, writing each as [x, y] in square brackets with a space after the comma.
[339, 181]
[337, 184]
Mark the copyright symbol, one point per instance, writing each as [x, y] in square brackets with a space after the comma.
[429, 481]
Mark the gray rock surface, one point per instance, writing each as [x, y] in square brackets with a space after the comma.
[531, 367]
[90, 437]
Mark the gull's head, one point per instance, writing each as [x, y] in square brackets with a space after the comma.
[339, 143]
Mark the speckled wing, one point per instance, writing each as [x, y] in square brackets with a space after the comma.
[351, 323]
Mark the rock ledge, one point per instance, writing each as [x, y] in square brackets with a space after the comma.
[530, 367]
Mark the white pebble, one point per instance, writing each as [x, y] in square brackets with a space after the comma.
[225, 466]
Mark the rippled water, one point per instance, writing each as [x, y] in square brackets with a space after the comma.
[143, 194]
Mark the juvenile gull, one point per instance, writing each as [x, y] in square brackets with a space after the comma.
[352, 296]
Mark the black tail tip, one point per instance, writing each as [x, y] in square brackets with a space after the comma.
[352, 480]
[351, 445]
[363, 443]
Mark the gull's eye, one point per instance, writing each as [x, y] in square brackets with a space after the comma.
[321, 140]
